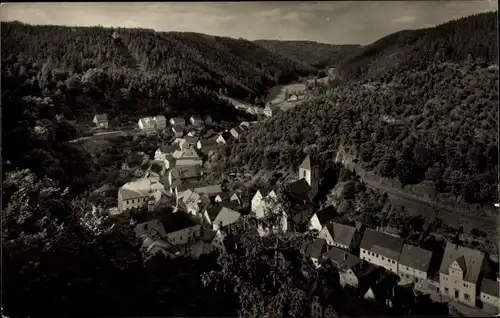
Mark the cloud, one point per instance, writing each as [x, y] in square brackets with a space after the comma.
[405, 19]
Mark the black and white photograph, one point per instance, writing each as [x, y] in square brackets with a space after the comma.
[250, 159]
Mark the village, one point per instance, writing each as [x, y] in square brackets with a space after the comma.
[200, 213]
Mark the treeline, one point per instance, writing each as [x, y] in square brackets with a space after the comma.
[435, 122]
[473, 37]
[315, 54]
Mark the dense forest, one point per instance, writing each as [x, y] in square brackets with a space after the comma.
[473, 37]
[316, 54]
[435, 121]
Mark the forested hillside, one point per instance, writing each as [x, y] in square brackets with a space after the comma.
[472, 37]
[313, 53]
[126, 73]
[435, 121]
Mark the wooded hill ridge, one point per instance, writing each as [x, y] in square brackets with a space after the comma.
[435, 120]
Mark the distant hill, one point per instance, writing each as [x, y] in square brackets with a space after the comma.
[313, 53]
[432, 122]
[452, 41]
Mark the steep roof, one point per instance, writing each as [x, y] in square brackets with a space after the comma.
[340, 257]
[490, 287]
[226, 135]
[168, 149]
[298, 187]
[101, 117]
[174, 222]
[207, 143]
[382, 243]
[315, 248]
[145, 228]
[326, 214]
[196, 117]
[178, 120]
[213, 211]
[186, 172]
[342, 234]
[264, 191]
[227, 216]
[415, 257]
[177, 128]
[209, 190]
[308, 163]
[473, 260]
[140, 188]
[160, 118]
[189, 153]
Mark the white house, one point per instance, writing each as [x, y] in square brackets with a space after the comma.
[196, 120]
[147, 124]
[177, 121]
[381, 249]
[101, 120]
[414, 265]
[258, 204]
[490, 294]
[164, 151]
[237, 132]
[160, 122]
[460, 273]
[133, 195]
[224, 138]
[293, 97]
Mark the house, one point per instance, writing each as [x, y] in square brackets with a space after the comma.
[224, 138]
[207, 146]
[147, 124]
[293, 97]
[153, 228]
[225, 217]
[177, 121]
[381, 249]
[211, 213]
[181, 228]
[258, 204]
[245, 124]
[189, 157]
[414, 265]
[210, 241]
[235, 199]
[196, 120]
[490, 294]
[179, 176]
[299, 190]
[157, 168]
[160, 122]
[315, 249]
[164, 151]
[300, 213]
[228, 197]
[237, 132]
[341, 236]
[133, 195]
[348, 265]
[208, 120]
[461, 273]
[268, 111]
[152, 123]
[186, 142]
[209, 191]
[321, 218]
[178, 131]
[194, 204]
[101, 121]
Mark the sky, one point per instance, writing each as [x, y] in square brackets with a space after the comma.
[342, 22]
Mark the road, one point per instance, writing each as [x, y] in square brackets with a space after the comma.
[460, 216]
[104, 134]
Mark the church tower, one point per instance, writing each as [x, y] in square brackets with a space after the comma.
[309, 170]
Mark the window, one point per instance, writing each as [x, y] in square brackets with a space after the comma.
[416, 280]
[466, 296]
[383, 258]
[363, 251]
[446, 290]
[465, 285]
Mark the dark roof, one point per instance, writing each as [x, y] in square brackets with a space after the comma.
[145, 228]
[213, 211]
[177, 221]
[490, 287]
[340, 257]
[227, 216]
[298, 187]
[264, 191]
[415, 257]
[191, 139]
[177, 128]
[208, 235]
[186, 172]
[326, 214]
[169, 148]
[208, 144]
[382, 244]
[226, 135]
[224, 196]
[315, 249]
[473, 260]
[191, 184]
[342, 234]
